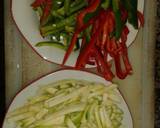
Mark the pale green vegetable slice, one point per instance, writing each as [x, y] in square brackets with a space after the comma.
[51, 90]
[56, 101]
[40, 98]
[97, 117]
[49, 101]
[102, 118]
[28, 121]
[41, 113]
[21, 116]
[70, 124]
[67, 110]
[107, 119]
[52, 121]
[51, 126]
[17, 111]
[84, 116]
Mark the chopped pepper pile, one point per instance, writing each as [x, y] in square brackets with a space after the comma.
[101, 24]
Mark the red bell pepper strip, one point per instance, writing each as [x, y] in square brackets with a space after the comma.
[47, 8]
[74, 39]
[124, 34]
[96, 29]
[91, 60]
[83, 42]
[46, 11]
[105, 33]
[118, 51]
[84, 55]
[103, 67]
[71, 46]
[91, 8]
[119, 72]
[111, 46]
[124, 14]
[98, 66]
[140, 18]
[120, 57]
[108, 27]
[38, 3]
[125, 58]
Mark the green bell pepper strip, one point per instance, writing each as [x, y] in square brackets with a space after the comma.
[56, 15]
[57, 4]
[46, 30]
[71, 9]
[106, 4]
[76, 2]
[118, 21]
[51, 32]
[78, 6]
[69, 29]
[51, 43]
[66, 6]
[88, 16]
[131, 6]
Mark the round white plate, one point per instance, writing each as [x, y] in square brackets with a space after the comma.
[27, 23]
[30, 90]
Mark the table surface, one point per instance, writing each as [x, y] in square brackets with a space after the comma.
[23, 65]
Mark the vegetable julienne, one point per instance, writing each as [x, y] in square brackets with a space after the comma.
[101, 24]
[71, 104]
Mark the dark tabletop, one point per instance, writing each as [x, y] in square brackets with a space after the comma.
[157, 70]
[2, 85]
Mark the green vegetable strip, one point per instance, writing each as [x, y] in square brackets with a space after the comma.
[56, 15]
[51, 29]
[72, 9]
[119, 24]
[76, 2]
[131, 6]
[57, 4]
[53, 44]
[106, 4]
[66, 6]
[77, 7]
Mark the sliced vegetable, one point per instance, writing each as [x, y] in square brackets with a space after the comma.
[97, 27]
[69, 111]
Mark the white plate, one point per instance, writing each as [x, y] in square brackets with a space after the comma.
[27, 23]
[30, 90]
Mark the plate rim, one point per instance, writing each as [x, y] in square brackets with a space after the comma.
[46, 58]
[24, 86]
